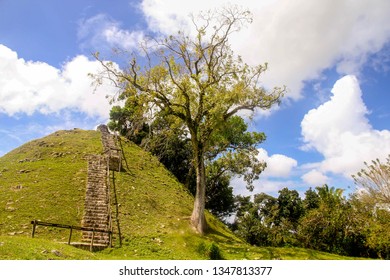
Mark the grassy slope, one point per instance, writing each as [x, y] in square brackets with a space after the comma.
[45, 179]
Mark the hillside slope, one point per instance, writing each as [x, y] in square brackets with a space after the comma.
[45, 180]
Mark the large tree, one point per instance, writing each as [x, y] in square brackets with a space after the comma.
[199, 81]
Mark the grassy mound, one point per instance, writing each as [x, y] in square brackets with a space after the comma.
[45, 179]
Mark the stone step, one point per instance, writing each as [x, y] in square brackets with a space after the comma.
[95, 214]
[95, 223]
[96, 219]
[95, 205]
[98, 235]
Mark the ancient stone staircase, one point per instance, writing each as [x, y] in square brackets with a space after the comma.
[97, 206]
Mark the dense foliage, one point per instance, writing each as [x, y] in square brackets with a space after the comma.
[324, 220]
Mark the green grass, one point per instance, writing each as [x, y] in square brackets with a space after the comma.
[190, 247]
[26, 248]
[45, 179]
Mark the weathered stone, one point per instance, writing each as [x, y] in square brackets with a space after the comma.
[41, 143]
[57, 253]
[110, 148]
[57, 154]
[96, 209]
[17, 187]
[114, 162]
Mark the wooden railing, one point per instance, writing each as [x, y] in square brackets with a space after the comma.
[35, 223]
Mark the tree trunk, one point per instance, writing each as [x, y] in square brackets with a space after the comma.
[198, 219]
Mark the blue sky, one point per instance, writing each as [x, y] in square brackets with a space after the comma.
[333, 56]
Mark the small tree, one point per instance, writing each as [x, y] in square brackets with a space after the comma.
[199, 82]
[290, 206]
[374, 180]
[312, 200]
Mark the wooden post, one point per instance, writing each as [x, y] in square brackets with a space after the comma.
[70, 235]
[93, 236]
[33, 230]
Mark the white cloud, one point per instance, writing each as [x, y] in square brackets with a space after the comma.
[29, 87]
[169, 16]
[101, 32]
[340, 131]
[298, 38]
[262, 185]
[273, 178]
[277, 165]
[315, 178]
